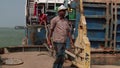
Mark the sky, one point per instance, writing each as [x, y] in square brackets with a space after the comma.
[12, 13]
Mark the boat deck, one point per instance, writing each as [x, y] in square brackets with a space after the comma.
[40, 60]
[32, 60]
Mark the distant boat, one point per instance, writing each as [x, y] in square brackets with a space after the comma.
[20, 27]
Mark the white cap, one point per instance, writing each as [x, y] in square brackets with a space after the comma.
[62, 7]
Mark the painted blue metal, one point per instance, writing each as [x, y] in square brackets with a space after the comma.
[119, 11]
[96, 44]
[118, 20]
[118, 45]
[39, 36]
[118, 37]
[28, 34]
[118, 30]
[75, 6]
[94, 11]
[96, 22]
[96, 35]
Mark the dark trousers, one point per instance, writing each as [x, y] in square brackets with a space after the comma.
[60, 54]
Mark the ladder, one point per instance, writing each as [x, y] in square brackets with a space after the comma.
[113, 25]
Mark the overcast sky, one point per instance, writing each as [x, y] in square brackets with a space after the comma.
[12, 13]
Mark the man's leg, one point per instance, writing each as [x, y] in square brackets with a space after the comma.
[60, 52]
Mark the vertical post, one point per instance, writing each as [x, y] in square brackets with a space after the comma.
[107, 24]
[115, 28]
[66, 5]
[81, 7]
[111, 25]
[55, 5]
[27, 16]
[46, 5]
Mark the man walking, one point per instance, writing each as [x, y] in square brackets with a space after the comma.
[59, 30]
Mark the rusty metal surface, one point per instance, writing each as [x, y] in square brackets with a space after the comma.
[30, 59]
[105, 66]
[105, 59]
[98, 56]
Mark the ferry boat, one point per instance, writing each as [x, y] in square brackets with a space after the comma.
[95, 29]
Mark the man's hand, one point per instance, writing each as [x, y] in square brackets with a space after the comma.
[49, 43]
[72, 44]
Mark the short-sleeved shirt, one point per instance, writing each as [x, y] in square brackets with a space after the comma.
[42, 18]
[61, 28]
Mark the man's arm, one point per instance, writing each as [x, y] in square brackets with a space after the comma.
[71, 40]
[49, 37]
[52, 26]
[70, 34]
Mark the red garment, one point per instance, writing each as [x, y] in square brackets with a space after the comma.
[35, 9]
[42, 18]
